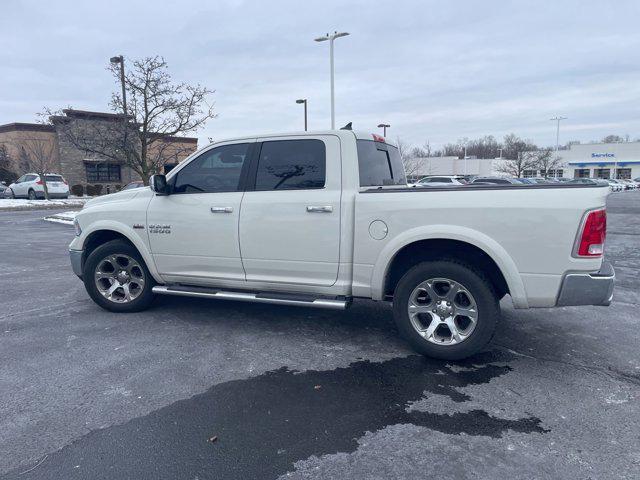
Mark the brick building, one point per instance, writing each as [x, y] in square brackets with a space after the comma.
[84, 167]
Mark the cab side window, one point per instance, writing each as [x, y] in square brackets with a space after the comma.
[291, 165]
[216, 170]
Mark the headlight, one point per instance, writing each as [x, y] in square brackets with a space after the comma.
[76, 225]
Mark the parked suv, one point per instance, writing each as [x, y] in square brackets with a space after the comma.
[31, 186]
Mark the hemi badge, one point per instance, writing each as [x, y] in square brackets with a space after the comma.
[139, 226]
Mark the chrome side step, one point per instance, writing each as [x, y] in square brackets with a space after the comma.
[300, 300]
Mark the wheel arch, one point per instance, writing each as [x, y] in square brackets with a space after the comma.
[445, 241]
[101, 234]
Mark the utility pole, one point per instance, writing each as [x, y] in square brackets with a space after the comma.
[557, 119]
[331, 39]
[119, 59]
[304, 100]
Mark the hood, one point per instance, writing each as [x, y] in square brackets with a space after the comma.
[122, 196]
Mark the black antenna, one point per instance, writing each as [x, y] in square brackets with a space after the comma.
[347, 127]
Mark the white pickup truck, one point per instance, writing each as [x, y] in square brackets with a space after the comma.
[317, 219]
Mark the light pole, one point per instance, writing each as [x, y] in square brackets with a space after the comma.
[331, 39]
[304, 100]
[384, 126]
[557, 119]
[120, 60]
[465, 159]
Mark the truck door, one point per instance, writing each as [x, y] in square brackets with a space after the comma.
[290, 214]
[193, 231]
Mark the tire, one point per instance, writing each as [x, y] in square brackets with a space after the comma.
[113, 258]
[32, 195]
[424, 287]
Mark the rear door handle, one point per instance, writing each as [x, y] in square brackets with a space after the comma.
[221, 209]
[319, 208]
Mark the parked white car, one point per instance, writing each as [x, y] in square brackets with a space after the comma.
[440, 180]
[616, 185]
[317, 219]
[31, 186]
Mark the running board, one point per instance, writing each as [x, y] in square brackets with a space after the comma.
[300, 300]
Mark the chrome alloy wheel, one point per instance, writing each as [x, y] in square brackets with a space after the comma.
[119, 278]
[443, 311]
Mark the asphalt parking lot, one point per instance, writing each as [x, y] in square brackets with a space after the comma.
[212, 389]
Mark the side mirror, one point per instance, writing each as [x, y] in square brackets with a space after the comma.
[158, 184]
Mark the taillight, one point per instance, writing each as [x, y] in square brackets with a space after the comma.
[377, 138]
[594, 231]
[39, 182]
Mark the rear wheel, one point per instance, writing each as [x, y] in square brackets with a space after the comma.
[116, 278]
[32, 195]
[446, 309]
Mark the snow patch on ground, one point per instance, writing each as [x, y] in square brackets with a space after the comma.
[21, 204]
[63, 217]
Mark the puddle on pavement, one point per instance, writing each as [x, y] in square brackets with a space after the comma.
[266, 423]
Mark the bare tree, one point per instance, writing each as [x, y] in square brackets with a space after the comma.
[613, 139]
[37, 155]
[516, 156]
[515, 167]
[414, 159]
[544, 160]
[157, 108]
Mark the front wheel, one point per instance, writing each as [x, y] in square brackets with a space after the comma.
[445, 309]
[116, 278]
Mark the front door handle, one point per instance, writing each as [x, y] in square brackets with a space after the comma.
[221, 209]
[319, 208]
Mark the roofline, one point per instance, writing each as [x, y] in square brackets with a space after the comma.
[175, 139]
[70, 112]
[26, 127]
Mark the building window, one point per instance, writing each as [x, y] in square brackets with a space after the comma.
[529, 173]
[602, 173]
[623, 173]
[555, 173]
[103, 172]
[581, 173]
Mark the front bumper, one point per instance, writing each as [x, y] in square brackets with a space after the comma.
[76, 261]
[588, 288]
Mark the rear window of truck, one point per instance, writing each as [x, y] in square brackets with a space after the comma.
[379, 164]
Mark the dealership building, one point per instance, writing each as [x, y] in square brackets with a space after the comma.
[601, 160]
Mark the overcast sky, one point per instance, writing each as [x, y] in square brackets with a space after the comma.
[434, 70]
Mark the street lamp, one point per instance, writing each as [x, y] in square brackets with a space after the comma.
[304, 100]
[384, 126]
[557, 119]
[331, 39]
